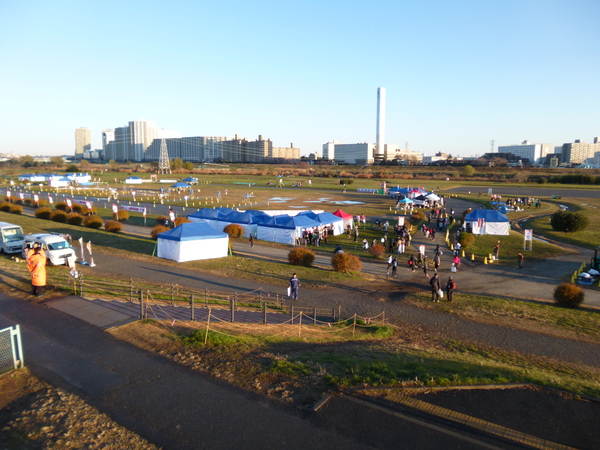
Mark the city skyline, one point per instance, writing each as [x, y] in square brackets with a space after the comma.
[456, 75]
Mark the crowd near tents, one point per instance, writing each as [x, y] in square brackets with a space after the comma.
[263, 225]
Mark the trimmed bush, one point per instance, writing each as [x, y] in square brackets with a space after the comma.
[160, 220]
[417, 217]
[113, 226]
[345, 263]
[5, 206]
[74, 218]
[43, 213]
[16, 209]
[42, 202]
[61, 206]
[58, 216]
[234, 230]
[77, 208]
[569, 221]
[122, 215]
[93, 222]
[157, 230]
[377, 250]
[466, 239]
[28, 201]
[301, 256]
[180, 220]
[569, 295]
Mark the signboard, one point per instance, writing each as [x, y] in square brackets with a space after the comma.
[115, 209]
[422, 250]
[528, 240]
[400, 220]
[134, 208]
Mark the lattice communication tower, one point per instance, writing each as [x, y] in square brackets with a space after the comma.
[164, 165]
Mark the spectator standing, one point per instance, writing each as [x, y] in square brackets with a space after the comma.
[293, 286]
[450, 286]
[435, 288]
[394, 266]
[36, 263]
[520, 259]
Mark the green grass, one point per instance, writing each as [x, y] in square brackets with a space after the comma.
[549, 316]
[589, 238]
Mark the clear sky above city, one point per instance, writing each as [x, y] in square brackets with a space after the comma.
[458, 74]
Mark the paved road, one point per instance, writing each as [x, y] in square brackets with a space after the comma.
[529, 191]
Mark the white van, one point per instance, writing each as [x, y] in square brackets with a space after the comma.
[57, 248]
[11, 238]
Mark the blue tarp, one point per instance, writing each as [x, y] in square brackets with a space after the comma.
[489, 215]
[191, 232]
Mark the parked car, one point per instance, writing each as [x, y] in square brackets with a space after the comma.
[57, 247]
[11, 238]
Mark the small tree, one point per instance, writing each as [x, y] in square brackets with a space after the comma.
[345, 263]
[179, 220]
[58, 216]
[43, 213]
[301, 256]
[466, 239]
[93, 222]
[5, 206]
[467, 171]
[569, 295]
[16, 209]
[122, 215]
[377, 250]
[157, 230]
[74, 218]
[569, 221]
[62, 206]
[113, 226]
[234, 230]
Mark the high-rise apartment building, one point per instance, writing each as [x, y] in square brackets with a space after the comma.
[83, 142]
[535, 153]
[141, 135]
[577, 152]
[108, 139]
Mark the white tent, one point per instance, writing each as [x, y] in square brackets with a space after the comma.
[191, 242]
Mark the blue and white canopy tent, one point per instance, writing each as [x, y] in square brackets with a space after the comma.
[191, 242]
[487, 221]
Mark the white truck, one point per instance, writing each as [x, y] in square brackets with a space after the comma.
[11, 238]
[58, 249]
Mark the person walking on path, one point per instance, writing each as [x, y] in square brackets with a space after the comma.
[394, 266]
[251, 241]
[450, 286]
[36, 263]
[425, 266]
[436, 262]
[520, 259]
[412, 262]
[293, 286]
[497, 250]
[435, 288]
[456, 261]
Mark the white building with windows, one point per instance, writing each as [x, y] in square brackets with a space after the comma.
[535, 153]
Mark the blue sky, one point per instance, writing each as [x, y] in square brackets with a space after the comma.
[458, 74]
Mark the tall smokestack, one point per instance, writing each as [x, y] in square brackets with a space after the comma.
[380, 144]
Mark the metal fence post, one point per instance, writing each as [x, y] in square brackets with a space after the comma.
[206, 296]
[142, 309]
[172, 294]
[264, 311]
[192, 306]
[131, 289]
[81, 286]
[333, 314]
[292, 314]
[339, 312]
[232, 309]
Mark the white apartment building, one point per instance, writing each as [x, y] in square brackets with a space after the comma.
[535, 153]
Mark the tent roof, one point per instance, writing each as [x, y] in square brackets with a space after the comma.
[180, 184]
[342, 214]
[489, 215]
[406, 200]
[192, 232]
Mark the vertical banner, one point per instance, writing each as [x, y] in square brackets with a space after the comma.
[528, 238]
[89, 248]
[400, 220]
[8, 194]
[82, 251]
[69, 203]
[422, 250]
[50, 200]
[36, 198]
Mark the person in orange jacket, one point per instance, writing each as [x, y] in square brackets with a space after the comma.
[36, 263]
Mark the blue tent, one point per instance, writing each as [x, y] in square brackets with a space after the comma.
[191, 232]
[180, 184]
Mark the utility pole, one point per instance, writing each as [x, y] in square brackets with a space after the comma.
[164, 165]
[493, 142]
